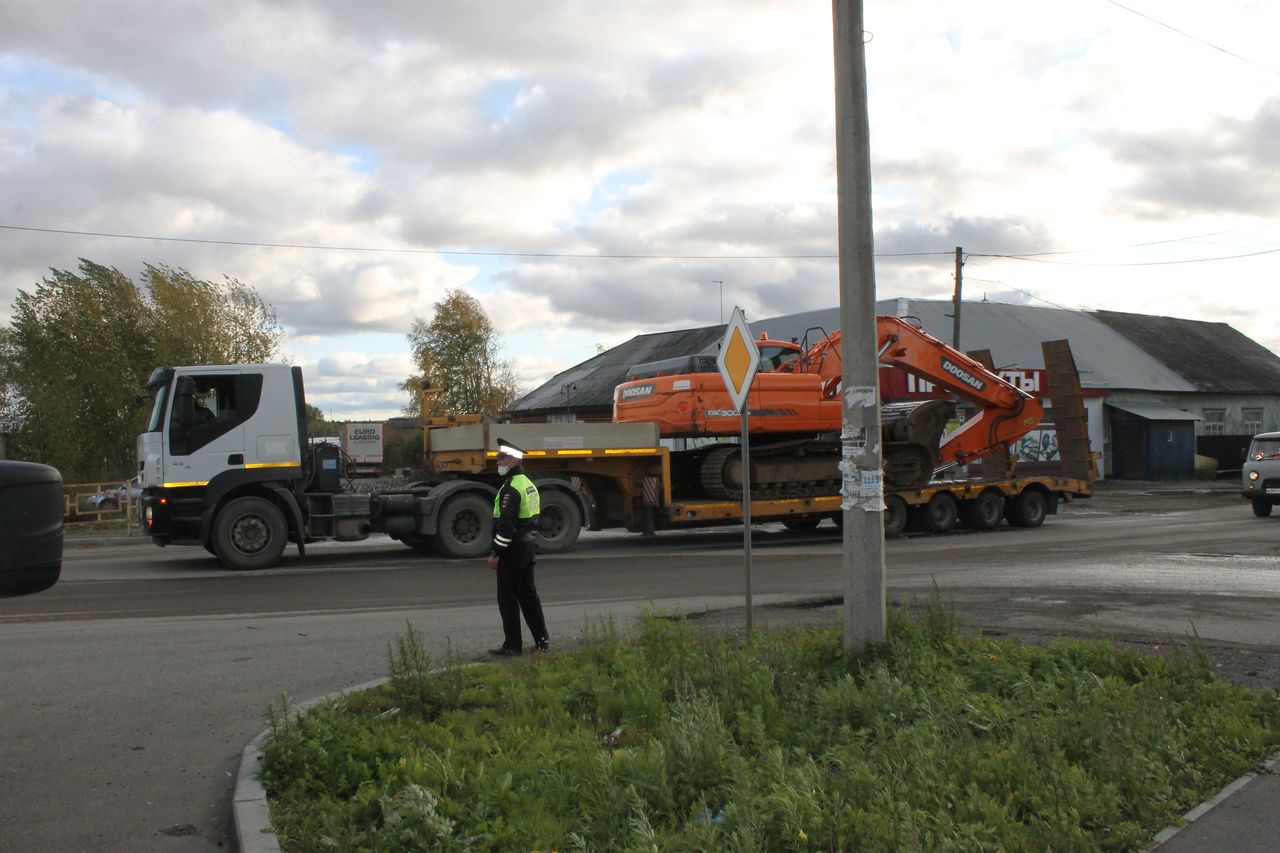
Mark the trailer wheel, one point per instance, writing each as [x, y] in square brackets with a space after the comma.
[1027, 508]
[940, 513]
[250, 533]
[1261, 509]
[895, 516]
[983, 512]
[801, 523]
[559, 522]
[465, 528]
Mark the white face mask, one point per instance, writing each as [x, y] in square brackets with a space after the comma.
[503, 469]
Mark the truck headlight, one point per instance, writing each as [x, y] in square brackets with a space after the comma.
[1253, 475]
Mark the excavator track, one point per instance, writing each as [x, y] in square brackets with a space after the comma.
[804, 467]
[786, 469]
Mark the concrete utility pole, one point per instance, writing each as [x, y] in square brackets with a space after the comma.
[862, 490]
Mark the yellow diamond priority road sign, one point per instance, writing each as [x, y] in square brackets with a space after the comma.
[738, 359]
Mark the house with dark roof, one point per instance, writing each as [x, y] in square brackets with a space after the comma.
[1158, 390]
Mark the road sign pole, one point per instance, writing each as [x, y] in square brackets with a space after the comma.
[746, 504]
[738, 362]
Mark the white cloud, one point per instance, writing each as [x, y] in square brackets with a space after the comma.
[707, 131]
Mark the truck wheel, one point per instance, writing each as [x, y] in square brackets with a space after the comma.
[940, 513]
[108, 504]
[559, 522]
[250, 533]
[801, 523]
[895, 516]
[983, 512]
[1261, 509]
[465, 529]
[1027, 509]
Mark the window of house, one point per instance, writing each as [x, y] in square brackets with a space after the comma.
[1215, 421]
[1252, 421]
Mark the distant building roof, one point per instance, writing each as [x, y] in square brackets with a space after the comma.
[1212, 357]
[1154, 411]
[1112, 350]
[591, 383]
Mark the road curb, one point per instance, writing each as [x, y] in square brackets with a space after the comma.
[252, 815]
[250, 812]
[92, 541]
[1268, 765]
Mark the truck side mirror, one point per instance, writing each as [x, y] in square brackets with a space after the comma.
[184, 406]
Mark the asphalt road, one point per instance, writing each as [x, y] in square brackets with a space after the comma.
[128, 690]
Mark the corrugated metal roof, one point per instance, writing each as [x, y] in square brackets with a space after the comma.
[1014, 333]
[593, 380]
[1154, 411]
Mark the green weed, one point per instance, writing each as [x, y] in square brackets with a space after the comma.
[670, 740]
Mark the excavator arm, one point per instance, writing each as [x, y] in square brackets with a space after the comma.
[1005, 412]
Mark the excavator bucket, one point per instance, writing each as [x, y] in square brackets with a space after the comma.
[1069, 417]
[911, 433]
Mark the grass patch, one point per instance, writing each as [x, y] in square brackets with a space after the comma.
[669, 741]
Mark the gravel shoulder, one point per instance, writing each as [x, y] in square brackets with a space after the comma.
[1255, 667]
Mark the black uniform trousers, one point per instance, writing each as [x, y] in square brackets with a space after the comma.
[517, 594]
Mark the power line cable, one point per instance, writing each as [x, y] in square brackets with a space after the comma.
[413, 251]
[1165, 242]
[1025, 256]
[1043, 260]
[1195, 38]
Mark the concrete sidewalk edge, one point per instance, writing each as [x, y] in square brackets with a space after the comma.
[252, 815]
[1269, 765]
[249, 809]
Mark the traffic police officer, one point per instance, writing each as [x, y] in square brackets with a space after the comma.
[515, 519]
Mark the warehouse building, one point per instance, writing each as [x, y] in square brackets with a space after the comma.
[1159, 391]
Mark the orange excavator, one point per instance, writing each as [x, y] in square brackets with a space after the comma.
[796, 413]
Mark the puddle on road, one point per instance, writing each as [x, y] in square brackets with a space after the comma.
[1039, 599]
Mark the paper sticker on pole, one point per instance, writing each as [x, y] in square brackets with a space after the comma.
[738, 359]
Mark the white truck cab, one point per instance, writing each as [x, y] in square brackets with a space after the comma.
[221, 461]
[1261, 473]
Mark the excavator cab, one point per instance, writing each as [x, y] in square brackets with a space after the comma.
[777, 356]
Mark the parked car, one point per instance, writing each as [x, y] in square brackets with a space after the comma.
[114, 498]
[31, 506]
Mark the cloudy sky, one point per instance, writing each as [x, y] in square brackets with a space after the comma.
[592, 169]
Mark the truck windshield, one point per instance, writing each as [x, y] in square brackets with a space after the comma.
[1264, 448]
[157, 411]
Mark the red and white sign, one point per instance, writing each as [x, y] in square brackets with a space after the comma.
[896, 384]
